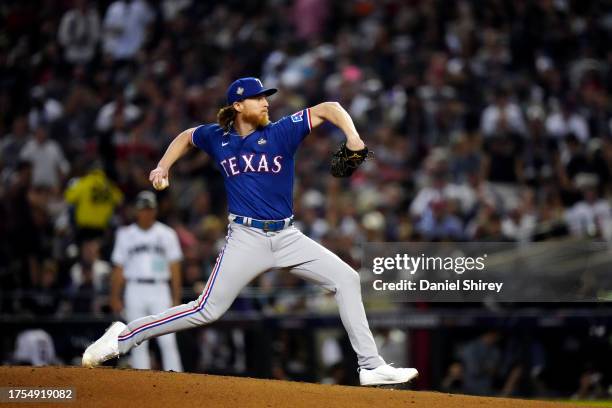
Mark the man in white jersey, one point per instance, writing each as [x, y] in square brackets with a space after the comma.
[147, 262]
[256, 159]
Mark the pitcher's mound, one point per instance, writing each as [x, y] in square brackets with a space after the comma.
[99, 387]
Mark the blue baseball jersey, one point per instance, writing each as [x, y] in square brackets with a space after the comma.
[258, 169]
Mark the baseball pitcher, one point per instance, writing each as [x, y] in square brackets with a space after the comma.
[256, 159]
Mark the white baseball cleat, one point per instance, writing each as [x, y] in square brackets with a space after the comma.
[386, 374]
[105, 348]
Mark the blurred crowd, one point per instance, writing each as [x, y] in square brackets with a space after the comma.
[489, 121]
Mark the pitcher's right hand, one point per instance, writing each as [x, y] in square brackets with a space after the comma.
[159, 178]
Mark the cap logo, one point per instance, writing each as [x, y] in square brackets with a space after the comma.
[240, 90]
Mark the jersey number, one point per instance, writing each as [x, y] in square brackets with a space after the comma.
[101, 194]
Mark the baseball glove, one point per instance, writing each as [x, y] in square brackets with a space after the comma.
[345, 161]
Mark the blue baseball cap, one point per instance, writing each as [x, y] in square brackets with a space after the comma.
[247, 88]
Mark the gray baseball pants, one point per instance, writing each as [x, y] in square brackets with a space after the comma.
[248, 252]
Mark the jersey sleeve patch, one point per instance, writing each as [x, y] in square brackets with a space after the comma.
[297, 116]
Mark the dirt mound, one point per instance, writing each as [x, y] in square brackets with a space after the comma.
[132, 388]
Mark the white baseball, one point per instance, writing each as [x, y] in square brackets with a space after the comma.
[163, 184]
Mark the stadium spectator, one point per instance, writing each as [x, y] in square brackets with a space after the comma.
[437, 185]
[89, 278]
[565, 121]
[49, 166]
[480, 359]
[502, 116]
[439, 224]
[34, 347]
[453, 380]
[125, 28]
[591, 216]
[44, 298]
[12, 144]
[45, 109]
[94, 197]
[79, 33]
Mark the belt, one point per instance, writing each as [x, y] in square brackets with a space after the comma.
[265, 225]
[150, 281]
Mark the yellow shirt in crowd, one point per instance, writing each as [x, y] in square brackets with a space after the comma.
[94, 197]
